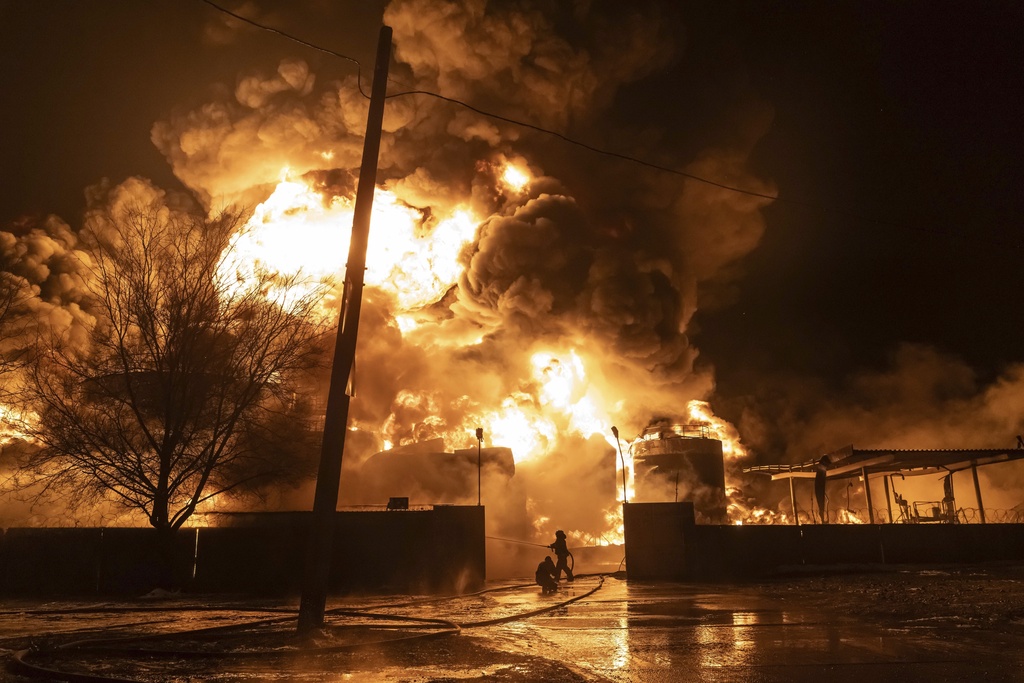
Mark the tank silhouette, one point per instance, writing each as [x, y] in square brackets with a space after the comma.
[681, 462]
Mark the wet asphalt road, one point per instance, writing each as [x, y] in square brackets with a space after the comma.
[622, 631]
[654, 633]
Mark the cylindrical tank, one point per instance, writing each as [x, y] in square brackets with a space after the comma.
[681, 463]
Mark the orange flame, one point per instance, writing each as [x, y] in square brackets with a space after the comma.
[515, 177]
[414, 257]
[299, 231]
[700, 412]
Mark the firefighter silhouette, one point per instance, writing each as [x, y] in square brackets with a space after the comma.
[546, 576]
[563, 555]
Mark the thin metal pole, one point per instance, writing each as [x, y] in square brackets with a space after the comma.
[792, 500]
[325, 500]
[618, 443]
[977, 492]
[867, 494]
[479, 446]
[888, 501]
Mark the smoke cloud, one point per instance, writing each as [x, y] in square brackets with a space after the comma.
[41, 264]
[586, 276]
[592, 258]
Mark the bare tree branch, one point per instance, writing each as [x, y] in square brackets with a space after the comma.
[170, 404]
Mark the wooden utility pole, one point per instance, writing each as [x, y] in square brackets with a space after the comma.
[325, 501]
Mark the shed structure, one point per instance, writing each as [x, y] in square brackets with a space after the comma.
[867, 464]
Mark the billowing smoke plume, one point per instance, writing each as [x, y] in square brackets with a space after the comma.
[570, 307]
[588, 274]
[41, 296]
[43, 283]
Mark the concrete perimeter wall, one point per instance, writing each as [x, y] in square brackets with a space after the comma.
[662, 542]
[648, 529]
[420, 551]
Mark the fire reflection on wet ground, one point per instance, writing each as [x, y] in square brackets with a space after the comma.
[895, 626]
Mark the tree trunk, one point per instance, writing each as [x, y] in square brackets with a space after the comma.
[165, 561]
[163, 575]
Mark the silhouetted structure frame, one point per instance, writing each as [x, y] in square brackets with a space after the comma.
[879, 462]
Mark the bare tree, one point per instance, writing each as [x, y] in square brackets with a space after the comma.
[189, 387]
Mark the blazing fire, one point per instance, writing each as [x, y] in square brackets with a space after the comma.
[11, 422]
[540, 304]
[700, 413]
[298, 231]
[515, 178]
[416, 257]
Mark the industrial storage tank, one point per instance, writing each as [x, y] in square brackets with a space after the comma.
[681, 462]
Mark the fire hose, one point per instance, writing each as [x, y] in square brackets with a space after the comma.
[26, 661]
[572, 560]
[125, 646]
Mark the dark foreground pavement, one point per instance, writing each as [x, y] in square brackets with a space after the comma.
[902, 626]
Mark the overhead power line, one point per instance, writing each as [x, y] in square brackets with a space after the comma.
[498, 117]
[300, 41]
[821, 208]
[584, 145]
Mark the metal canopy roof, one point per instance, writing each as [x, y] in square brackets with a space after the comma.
[850, 462]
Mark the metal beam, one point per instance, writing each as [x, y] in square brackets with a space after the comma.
[846, 469]
[867, 494]
[792, 500]
[977, 492]
[792, 475]
[888, 498]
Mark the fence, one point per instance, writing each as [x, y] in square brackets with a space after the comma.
[860, 516]
[663, 542]
[436, 550]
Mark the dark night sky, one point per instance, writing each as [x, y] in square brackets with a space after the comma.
[896, 136]
[901, 121]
